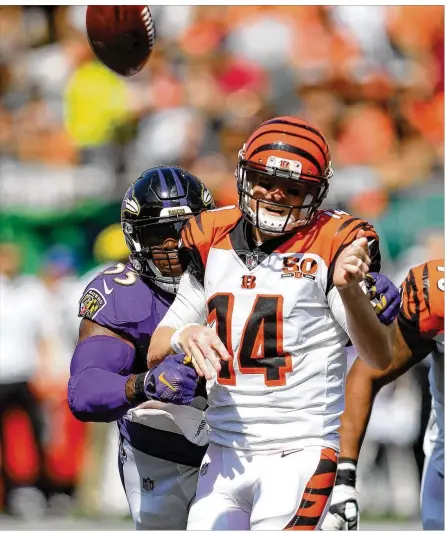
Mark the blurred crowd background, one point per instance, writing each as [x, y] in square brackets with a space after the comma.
[73, 136]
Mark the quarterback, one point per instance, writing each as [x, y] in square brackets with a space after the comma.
[270, 298]
[419, 332]
[161, 445]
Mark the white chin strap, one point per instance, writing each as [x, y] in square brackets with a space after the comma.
[275, 224]
[172, 288]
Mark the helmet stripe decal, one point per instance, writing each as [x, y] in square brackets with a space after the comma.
[166, 203]
[267, 132]
[288, 148]
[179, 187]
[297, 125]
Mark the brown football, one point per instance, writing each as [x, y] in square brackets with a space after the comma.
[122, 37]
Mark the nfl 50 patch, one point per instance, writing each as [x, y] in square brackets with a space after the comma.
[91, 303]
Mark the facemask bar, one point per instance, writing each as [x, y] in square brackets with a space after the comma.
[144, 264]
[142, 257]
[273, 224]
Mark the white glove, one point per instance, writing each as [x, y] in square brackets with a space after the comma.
[344, 511]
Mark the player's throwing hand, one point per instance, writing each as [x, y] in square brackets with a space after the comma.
[203, 344]
[353, 263]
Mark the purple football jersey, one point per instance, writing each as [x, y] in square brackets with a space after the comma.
[120, 300]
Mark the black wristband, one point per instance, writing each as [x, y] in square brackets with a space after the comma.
[346, 476]
[140, 395]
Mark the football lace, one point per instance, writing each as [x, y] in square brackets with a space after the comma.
[150, 25]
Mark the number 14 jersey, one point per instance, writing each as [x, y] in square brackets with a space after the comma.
[276, 310]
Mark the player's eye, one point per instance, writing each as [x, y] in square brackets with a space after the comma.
[265, 185]
[295, 192]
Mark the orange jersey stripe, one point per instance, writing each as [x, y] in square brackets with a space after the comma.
[326, 235]
[209, 229]
[329, 233]
[422, 298]
[316, 493]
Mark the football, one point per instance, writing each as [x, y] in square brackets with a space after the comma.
[122, 37]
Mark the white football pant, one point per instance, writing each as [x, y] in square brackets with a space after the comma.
[159, 492]
[284, 490]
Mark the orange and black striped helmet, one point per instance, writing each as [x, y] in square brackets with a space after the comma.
[287, 148]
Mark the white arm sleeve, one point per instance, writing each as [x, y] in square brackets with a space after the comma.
[189, 304]
[337, 307]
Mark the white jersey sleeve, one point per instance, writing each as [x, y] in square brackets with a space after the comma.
[337, 307]
[189, 305]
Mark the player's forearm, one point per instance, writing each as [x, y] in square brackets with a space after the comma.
[189, 307]
[98, 396]
[359, 395]
[372, 340]
[99, 372]
[160, 347]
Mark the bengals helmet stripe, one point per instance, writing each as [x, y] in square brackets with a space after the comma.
[287, 148]
[320, 148]
[297, 124]
[306, 127]
[292, 135]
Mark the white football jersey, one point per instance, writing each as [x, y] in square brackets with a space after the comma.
[277, 312]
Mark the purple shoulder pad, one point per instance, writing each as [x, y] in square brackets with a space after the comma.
[117, 296]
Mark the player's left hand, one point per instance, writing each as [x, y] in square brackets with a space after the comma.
[203, 346]
[173, 381]
[384, 295]
[352, 265]
[344, 510]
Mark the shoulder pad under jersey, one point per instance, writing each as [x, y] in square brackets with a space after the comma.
[422, 299]
[208, 228]
[115, 297]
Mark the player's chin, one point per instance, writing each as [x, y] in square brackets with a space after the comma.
[171, 272]
[169, 269]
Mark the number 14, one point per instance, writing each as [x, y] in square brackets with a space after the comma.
[261, 344]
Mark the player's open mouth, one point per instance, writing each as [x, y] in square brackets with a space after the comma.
[275, 211]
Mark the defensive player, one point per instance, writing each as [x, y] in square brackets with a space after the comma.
[419, 332]
[120, 309]
[278, 280]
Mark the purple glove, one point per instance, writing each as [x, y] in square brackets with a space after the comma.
[385, 295]
[171, 381]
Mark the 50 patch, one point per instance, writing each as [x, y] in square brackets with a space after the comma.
[91, 303]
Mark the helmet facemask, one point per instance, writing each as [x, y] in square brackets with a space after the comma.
[153, 212]
[154, 251]
[249, 174]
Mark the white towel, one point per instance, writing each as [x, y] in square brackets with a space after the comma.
[183, 419]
